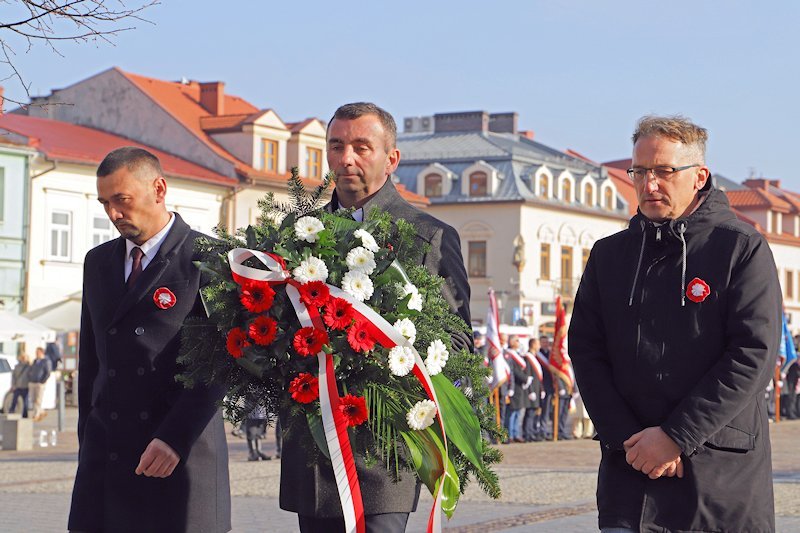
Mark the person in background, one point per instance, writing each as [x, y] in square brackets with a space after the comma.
[19, 384]
[38, 375]
[531, 423]
[256, 428]
[519, 393]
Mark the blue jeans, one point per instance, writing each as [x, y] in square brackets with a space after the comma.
[514, 422]
[20, 394]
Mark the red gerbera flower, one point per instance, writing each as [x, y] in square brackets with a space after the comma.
[263, 330]
[338, 313]
[354, 409]
[257, 296]
[304, 388]
[359, 338]
[236, 342]
[315, 293]
[309, 341]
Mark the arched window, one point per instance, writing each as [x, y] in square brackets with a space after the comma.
[542, 186]
[609, 199]
[588, 193]
[433, 185]
[566, 191]
[478, 184]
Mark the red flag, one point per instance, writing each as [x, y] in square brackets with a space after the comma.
[559, 360]
[494, 353]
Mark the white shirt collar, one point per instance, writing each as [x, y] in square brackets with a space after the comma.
[149, 248]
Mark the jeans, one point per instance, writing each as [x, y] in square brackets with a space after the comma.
[23, 394]
[514, 423]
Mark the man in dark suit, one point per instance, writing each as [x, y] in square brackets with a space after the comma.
[153, 455]
[363, 154]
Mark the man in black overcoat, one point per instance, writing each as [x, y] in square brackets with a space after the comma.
[153, 455]
[363, 154]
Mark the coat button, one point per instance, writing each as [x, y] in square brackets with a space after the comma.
[112, 373]
[140, 371]
[112, 331]
[113, 415]
[139, 330]
[144, 415]
[113, 456]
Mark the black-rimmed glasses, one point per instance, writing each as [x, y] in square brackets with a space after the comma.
[662, 172]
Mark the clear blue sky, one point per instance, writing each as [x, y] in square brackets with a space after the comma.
[579, 73]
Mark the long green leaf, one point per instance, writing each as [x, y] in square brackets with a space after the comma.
[318, 432]
[461, 424]
[427, 452]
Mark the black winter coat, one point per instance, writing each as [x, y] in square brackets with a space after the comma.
[646, 354]
[128, 395]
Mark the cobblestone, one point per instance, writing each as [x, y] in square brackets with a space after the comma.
[546, 487]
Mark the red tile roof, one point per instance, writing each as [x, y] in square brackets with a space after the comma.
[66, 142]
[758, 198]
[411, 197]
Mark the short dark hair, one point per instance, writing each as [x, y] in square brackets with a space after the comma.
[360, 109]
[130, 157]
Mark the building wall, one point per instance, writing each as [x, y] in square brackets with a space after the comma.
[111, 102]
[787, 260]
[67, 221]
[13, 225]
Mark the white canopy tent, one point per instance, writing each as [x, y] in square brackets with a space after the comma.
[61, 316]
[16, 328]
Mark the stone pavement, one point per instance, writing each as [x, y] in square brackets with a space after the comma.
[546, 487]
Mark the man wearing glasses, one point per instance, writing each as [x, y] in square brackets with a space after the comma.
[674, 336]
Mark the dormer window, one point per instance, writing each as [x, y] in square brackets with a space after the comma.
[566, 190]
[588, 193]
[433, 186]
[314, 163]
[542, 185]
[269, 160]
[609, 198]
[478, 184]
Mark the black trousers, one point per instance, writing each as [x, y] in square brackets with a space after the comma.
[376, 523]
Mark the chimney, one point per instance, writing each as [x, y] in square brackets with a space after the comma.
[464, 121]
[503, 123]
[757, 183]
[528, 134]
[212, 97]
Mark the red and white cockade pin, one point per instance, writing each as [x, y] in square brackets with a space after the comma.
[698, 290]
[164, 298]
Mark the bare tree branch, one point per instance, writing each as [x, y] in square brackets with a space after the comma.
[52, 21]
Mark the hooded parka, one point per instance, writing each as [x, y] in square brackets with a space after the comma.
[677, 325]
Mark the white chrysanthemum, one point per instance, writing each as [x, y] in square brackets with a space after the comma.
[437, 357]
[401, 360]
[358, 285]
[366, 239]
[311, 269]
[407, 329]
[307, 228]
[415, 302]
[361, 259]
[421, 415]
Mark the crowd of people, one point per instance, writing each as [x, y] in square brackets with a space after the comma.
[534, 397]
[28, 380]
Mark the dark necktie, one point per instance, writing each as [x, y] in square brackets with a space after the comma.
[136, 270]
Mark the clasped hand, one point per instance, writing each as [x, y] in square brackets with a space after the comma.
[653, 453]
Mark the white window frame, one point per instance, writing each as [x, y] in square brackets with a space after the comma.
[65, 231]
[95, 232]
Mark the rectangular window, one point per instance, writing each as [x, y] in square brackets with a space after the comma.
[478, 184]
[433, 185]
[476, 259]
[566, 268]
[544, 266]
[2, 194]
[776, 222]
[790, 284]
[315, 163]
[60, 235]
[102, 230]
[270, 161]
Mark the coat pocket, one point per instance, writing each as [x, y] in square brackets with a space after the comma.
[732, 439]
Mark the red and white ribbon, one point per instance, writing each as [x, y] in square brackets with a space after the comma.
[334, 424]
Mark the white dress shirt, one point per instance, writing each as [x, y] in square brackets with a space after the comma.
[149, 248]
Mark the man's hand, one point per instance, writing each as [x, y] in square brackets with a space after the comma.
[653, 453]
[158, 460]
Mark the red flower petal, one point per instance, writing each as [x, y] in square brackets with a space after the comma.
[315, 293]
[304, 388]
[309, 341]
[338, 313]
[257, 296]
[359, 338]
[354, 409]
[236, 342]
[263, 330]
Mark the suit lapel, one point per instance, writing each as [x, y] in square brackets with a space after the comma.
[150, 276]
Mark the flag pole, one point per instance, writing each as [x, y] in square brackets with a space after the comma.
[555, 409]
[496, 402]
[777, 394]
